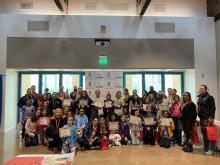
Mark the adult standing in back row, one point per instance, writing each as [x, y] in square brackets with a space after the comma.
[206, 113]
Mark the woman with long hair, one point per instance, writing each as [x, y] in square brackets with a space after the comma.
[189, 114]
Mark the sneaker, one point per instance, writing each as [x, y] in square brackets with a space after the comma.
[209, 152]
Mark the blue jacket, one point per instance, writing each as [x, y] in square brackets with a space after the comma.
[71, 138]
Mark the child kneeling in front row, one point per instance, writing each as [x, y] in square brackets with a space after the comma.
[114, 137]
[68, 145]
[166, 128]
[124, 131]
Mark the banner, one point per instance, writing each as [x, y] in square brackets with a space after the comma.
[106, 82]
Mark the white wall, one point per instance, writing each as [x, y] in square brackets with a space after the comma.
[217, 28]
[77, 7]
[201, 29]
[189, 83]
[10, 110]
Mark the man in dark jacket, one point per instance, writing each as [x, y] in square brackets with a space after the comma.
[28, 96]
[206, 113]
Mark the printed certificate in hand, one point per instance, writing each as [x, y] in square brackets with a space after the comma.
[144, 107]
[100, 112]
[149, 121]
[43, 121]
[134, 120]
[83, 102]
[64, 132]
[113, 125]
[118, 111]
[108, 104]
[98, 104]
[165, 122]
[163, 107]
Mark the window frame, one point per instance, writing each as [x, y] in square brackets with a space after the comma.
[156, 73]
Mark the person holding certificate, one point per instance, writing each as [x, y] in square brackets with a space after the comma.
[108, 107]
[98, 104]
[149, 127]
[135, 103]
[85, 102]
[43, 123]
[114, 137]
[53, 130]
[118, 104]
[67, 133]
[165, 129]
[136, 127]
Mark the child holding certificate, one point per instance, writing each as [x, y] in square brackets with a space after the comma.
[108, 107]
[43, 123]
[149, 127]
[166, 128]
[114, 137]
[67, 133]
[136, 127]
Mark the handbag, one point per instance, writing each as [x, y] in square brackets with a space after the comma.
[212, 134]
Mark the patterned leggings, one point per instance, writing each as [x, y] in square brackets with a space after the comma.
[68, 148]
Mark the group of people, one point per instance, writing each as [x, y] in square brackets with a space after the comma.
[61, 121]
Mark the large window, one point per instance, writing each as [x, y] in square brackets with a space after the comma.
[27, 80]
[50, 81]
[159, 80]
[154, 80]
[173, 81]
[69, 81]
[134, 81]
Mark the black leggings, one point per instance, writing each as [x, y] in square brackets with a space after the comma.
[84, 142]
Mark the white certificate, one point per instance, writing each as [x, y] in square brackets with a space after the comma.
[108, 104]
[98, 104]
[149, 121]
[43, 121]
[100, 112]
[83, 102]
[165, 122]
[113, 125]
[144, 107]
[163, 107]
[134, 120]
[64, 132]
[118, 111]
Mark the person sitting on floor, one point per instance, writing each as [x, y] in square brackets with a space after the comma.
[69, 141]
[124, 131]
[31, 131]
[91, 136]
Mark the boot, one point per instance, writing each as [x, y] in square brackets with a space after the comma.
[189, 148]
[185, 146]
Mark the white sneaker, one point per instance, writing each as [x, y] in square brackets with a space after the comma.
[209, 152]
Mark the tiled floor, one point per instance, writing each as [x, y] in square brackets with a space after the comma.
[129, 155]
